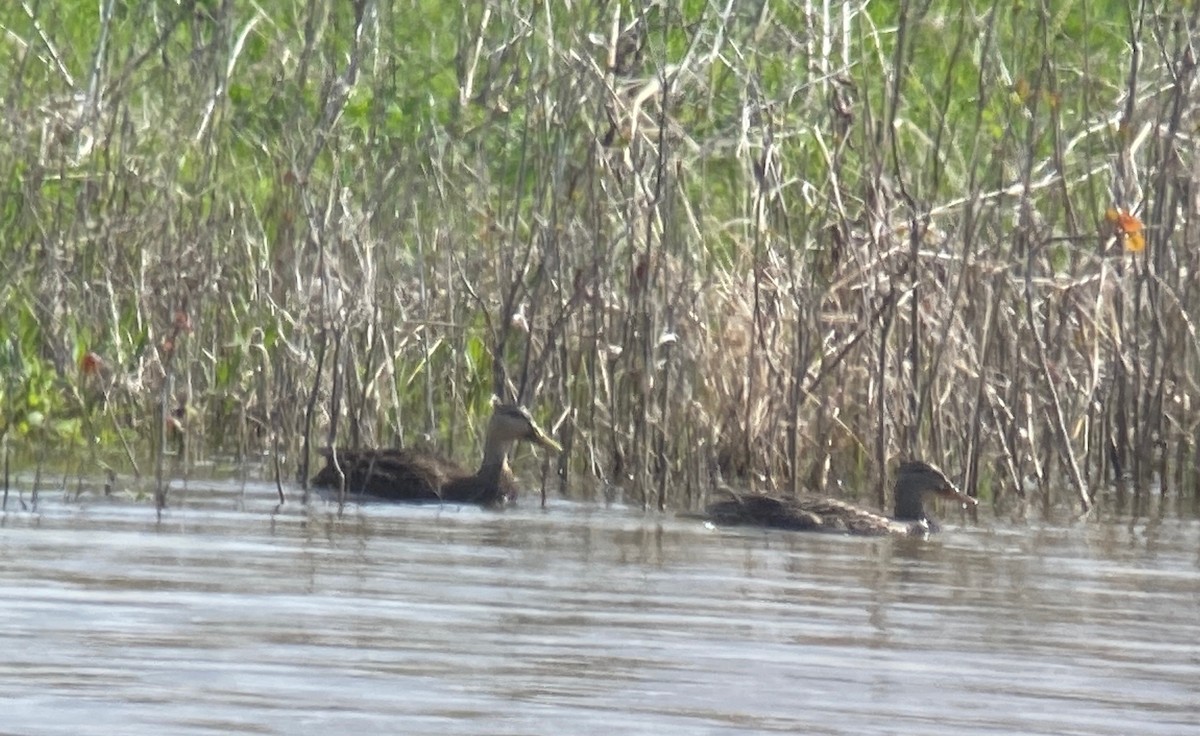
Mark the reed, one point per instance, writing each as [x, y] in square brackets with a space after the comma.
[702, 241]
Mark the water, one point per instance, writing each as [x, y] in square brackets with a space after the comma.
[229, 618]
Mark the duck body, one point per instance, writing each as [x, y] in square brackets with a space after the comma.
[807, 514]
[419, 476]
[411, 476]
[915, 482]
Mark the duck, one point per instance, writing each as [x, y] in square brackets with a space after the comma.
[916, 482]
[420, 476]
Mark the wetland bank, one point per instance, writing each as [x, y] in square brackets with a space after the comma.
[704, 243]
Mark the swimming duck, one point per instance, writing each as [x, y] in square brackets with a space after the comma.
[915, 482]
[415, 476]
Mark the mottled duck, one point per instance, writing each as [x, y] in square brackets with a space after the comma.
[416, 476]
[916, 482]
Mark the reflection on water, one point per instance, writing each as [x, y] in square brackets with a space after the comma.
[228, 618]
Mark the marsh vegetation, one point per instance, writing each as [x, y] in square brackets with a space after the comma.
[762, 243]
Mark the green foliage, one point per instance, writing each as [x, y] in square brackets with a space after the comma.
[32, 402]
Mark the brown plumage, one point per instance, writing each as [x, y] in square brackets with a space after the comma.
[915, 483]
[416, 476]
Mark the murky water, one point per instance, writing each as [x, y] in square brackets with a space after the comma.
[228, 618]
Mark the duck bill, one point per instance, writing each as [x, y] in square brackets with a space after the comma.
[541, 439]
[952, 493]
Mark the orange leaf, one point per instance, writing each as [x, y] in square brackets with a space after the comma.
[1128, 228]
[1128, 224]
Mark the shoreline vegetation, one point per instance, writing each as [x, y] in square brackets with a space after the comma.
[704, 242]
